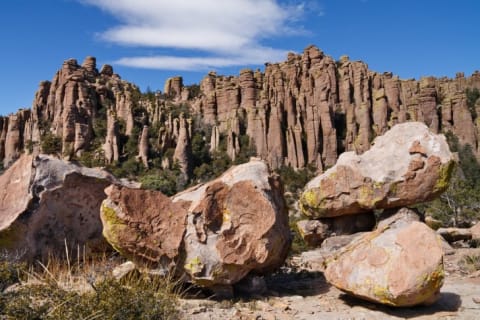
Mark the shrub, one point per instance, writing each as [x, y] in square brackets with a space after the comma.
[10, 273]
[161, 180]
[470, 263]
[295, 180]
[298, 244]
[472, 97]
[135, 299]
[51, 144]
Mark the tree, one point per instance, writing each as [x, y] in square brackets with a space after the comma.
[460, 203]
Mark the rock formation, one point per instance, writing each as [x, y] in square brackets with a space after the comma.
[455, 234]
[183, 148]
[143, 147]
[314, 232]
[68, 107]
[215, 233]
[143, 225]
[305, 110]
[174, 89]
[399, 264]
[406, 165]
[46, 202]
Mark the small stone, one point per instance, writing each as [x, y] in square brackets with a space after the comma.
[123, 270]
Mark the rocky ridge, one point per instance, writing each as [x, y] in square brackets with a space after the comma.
[306, 110]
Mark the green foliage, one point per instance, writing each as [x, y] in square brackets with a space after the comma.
[131, 146]
[460, 203]
[29, 144]
[130, 168]
[161, 180]
[177, 109]
[51, 144]
[295, 180]
[92, 159]
[472, 97]
[10, 273]
[194, 91]
[149, 95]
[247, 149]
[298, 244]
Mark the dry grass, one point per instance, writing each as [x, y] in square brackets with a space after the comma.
[470, 263]
[82, 288]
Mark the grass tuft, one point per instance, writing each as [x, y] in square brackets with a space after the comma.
[83, 290]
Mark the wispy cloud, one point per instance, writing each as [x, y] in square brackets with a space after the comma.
[220, 33]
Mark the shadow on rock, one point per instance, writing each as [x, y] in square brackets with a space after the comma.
[448, 302]
[303, 283]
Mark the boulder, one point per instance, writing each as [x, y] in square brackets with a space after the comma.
[314, 232]
[214, 233]
[407, 165]
[47, 203]
[145, 226]
[475, 230]
[398, 264]
[314, 260]
[455, 234]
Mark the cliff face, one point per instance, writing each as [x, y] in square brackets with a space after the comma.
[310, 108]
[66, 108]
[303, 111]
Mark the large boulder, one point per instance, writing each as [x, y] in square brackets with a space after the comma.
[398, 264]
[407, 165]
[46, 203]
[214, 233]
[143, 225]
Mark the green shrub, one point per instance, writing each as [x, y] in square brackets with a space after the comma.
[161, 180]
[472, 97]
[295, 180]
[298, 244]
[51, 144]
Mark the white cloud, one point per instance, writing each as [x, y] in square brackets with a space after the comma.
[225, 32]
[250, 56]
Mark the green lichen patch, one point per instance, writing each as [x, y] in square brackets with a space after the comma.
[113, 227]
[444, 176]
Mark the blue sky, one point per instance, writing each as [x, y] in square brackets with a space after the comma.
[149, 40]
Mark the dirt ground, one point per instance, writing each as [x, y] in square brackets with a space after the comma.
[297, 293]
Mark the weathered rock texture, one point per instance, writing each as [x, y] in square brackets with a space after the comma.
[215, 233]
[305, 110]
[315, 231]
[407, 165]
[455, 234]
[475, 230]
[46, 202]
[143, 225]
[398, 264]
